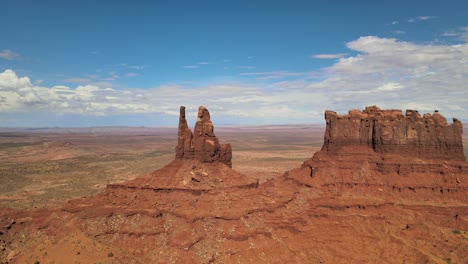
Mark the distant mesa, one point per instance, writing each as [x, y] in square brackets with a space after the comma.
[389, 131]
[202, 145]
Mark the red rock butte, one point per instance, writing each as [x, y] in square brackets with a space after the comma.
[202, 145]
[385, 150]
[389, 131]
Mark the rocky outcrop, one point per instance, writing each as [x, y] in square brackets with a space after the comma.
[202, 145]
[384, 152]
[389, 131]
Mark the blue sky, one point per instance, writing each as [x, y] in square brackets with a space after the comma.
[94, 63]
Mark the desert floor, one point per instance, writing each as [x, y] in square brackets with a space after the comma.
[46, 167]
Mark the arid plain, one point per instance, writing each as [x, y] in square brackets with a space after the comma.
[46, 167]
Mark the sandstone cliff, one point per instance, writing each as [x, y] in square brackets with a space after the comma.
[202, 145]
[388, 154]
[389, 131]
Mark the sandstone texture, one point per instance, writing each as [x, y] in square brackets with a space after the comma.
[389, 131]
[202, 144]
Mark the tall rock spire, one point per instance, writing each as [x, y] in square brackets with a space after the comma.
[184, 142]
[202, 145]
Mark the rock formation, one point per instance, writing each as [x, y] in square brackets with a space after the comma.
[202, 145]
[389, 131]
[387, 151]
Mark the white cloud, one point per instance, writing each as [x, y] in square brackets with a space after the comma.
[391, 86]
[229, 100]
[16, 91]
[425, 17]
[191, 67]
[9, 81]
[329, 56]
[405, 74]
[460, 33]
[421, 18]
[8, 54]
[386, 72]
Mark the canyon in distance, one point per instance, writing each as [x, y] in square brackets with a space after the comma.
[371, 186]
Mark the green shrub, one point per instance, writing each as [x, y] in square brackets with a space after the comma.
[110, 254]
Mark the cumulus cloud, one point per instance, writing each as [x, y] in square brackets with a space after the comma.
[229, 100]
[385, 71]
[9, 81]
[398, 74]
[8, 54]
[17, 91]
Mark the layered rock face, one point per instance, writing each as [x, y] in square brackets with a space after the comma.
[387, 154]
[202, 145]
[389, 131]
